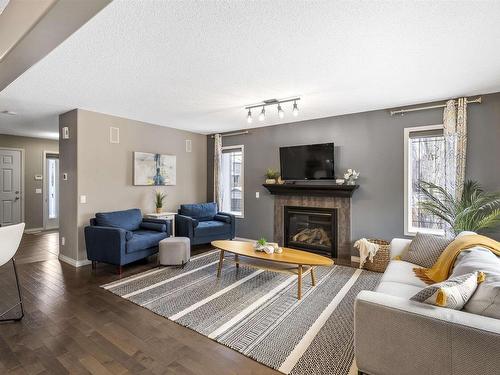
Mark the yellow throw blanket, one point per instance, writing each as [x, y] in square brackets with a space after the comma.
[441, 270]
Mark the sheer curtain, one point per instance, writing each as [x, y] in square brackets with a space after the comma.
[455, 135]
[218, 170]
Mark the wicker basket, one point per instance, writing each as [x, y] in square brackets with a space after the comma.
[381, 259]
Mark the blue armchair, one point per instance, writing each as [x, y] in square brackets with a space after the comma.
[203, 223]
[122, 237]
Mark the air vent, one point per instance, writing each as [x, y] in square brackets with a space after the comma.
[114, 135]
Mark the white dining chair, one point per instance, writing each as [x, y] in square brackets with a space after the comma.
[10, 238]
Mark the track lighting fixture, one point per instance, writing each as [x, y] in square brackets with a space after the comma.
[277, 102]
[295, 110]
[262, 115]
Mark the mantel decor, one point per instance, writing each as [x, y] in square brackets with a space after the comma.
[330, 190]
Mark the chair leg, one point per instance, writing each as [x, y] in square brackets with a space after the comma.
[119, 270]
[20, 303]
[94, 264]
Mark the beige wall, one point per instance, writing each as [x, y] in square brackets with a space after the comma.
[68, 189]
[33, 156]
[105, 170]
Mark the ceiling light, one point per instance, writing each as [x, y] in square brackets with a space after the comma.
[249, 117]
[10, 113]
[281, 113]
[295, 110]
[262, 115]
[272, 102]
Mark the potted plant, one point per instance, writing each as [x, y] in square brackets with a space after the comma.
[271, 176]
[159, 198]
[476, 210]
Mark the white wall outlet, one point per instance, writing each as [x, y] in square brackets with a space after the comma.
[38, 177]
[63, 241]
[38, 191]
[257, 194]
[65, 176]
[114, 135]
[189, 145]
[83, 199]
[65, 133]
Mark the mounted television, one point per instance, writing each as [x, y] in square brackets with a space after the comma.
[309, 162]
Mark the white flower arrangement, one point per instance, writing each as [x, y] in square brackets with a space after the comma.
[351, 174]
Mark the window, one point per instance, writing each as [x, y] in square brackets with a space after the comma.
[424, 160]
[232, 180]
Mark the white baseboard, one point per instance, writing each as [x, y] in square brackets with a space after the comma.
[73, 262]
[33, 230]
[354, 259]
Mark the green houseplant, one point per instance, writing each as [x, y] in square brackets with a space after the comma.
[159, 198]
[475, 211]
[271, 176]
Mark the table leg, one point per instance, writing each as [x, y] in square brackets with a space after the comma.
[221, 260]
[299, 283]
[237, 260]
[313, 277]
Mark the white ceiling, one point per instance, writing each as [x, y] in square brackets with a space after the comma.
[194, 65]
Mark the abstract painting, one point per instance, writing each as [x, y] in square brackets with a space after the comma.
[154, 169]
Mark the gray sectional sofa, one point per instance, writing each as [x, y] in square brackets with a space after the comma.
[396, 336]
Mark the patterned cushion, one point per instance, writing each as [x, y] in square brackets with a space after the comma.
[452, 293]
[425, 249]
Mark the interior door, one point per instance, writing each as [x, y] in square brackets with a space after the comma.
[10, 187]
[51, 214]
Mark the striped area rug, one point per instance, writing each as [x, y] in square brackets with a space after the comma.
[257, 313]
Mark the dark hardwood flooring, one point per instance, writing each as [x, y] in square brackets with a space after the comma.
[72, 326]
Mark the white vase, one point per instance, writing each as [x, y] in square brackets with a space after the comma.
[270, 181]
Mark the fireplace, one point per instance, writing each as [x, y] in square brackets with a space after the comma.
[311, 228]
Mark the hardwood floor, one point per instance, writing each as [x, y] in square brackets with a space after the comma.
[72, 326]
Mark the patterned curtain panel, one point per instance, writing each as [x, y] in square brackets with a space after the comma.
[455, 135]
[218, 170]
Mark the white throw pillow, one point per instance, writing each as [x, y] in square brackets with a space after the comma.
[486, 299]
[452, 293]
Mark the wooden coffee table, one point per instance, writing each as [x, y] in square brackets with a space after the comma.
[291, 261]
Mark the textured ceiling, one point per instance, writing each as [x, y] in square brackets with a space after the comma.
[194, 65]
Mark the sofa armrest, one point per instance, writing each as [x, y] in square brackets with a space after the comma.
[232, 222]
[398, 246]
[105, 244]
[394, 335]
[184, 225]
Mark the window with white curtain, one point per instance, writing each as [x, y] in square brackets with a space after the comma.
[232, 180]
[424, 160]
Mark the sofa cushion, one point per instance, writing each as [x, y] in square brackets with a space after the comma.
[211, 228]
[127, 219]
[159, 227]
[399, 271]
[425, 249]
[486, 300]
[224, 218]
[452, 293]
[405, 291]
[144, 239]
[201, 211]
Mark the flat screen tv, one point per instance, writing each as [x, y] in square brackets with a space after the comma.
[309, 162]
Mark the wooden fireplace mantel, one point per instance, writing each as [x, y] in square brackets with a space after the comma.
[329, 190]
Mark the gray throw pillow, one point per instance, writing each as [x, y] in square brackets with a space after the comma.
[486, 299]
[425, 249]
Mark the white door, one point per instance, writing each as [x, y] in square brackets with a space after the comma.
[10, 187]
[51, 207]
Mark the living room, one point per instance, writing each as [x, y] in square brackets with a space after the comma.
[249, 187]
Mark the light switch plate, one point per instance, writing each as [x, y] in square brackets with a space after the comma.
[38, 177]
[38, 191]
[65, 132]
[65, 176]
[257, 194]
[83, 199]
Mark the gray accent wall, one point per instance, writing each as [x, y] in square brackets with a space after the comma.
[33, 158]
[370, 142]
[104, 170]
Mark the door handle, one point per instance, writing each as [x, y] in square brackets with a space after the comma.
[17, 198]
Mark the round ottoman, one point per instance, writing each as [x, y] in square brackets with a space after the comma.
[174, 251]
